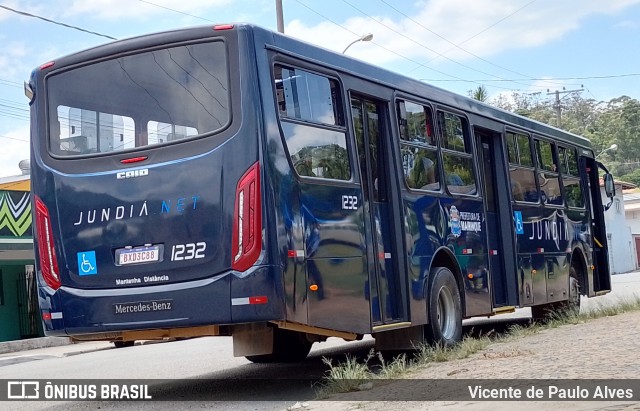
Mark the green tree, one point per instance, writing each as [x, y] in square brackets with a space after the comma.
[479, 94]
[603, 123]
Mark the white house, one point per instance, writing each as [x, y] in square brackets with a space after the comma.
[619, 239]
[632, 213]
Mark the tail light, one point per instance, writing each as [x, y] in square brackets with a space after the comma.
[247, 221]
[46, 248]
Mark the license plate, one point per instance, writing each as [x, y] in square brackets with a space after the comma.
[138, 255]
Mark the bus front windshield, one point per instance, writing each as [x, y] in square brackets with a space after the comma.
[150, 98]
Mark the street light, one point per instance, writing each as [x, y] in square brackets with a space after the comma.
[613, 147]
[366, 37]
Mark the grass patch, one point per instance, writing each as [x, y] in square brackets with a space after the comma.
[427, 354]
[354, 375]
[623, 306]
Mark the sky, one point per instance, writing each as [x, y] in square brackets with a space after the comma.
[524, 46]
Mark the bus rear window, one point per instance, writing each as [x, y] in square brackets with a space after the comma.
[151, 98]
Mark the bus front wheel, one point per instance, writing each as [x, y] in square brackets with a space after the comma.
[288, 346]
[444, 308]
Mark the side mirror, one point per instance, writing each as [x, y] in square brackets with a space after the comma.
[609, 186]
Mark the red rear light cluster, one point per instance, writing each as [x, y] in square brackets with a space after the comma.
[46, 248]
[221, 27]
[247, 221]
[47, 65]
[133, 160]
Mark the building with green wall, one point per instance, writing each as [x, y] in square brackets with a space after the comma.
[19, 314]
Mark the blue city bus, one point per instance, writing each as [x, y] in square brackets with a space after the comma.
[229, 180]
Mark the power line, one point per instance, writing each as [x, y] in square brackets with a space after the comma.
[24, 13]
[431, 50]
[526, 76]
[396, 53]
[9, 83]
[557, 105]
[493, 25]
[13, 138]
[176, 11]
[559, 78]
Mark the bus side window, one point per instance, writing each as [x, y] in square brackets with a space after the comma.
[548, 176]
[312, 121]
[418, 147]
[570, 177]
[458, 163]
[307, 96]
[521, 171]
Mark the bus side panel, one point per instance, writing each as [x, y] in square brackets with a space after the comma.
[433, 222]
[257, 295]
[425, 226]
[283, 224]
[532, 284]
[549, 238]
[335, 258]
[466, 225]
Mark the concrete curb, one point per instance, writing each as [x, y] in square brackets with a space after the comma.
[32, 344]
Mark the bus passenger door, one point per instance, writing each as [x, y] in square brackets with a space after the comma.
[602, 276]
[370, 123]
[500, 239]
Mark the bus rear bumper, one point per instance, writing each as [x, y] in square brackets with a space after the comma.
[228, 298]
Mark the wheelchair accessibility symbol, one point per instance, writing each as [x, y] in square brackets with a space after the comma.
[517, 216]
[87, 263]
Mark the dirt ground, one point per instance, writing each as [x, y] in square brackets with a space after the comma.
[606, 348]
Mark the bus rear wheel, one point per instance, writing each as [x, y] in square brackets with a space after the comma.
[123, 344]
[444, 308]
[573, 304]
[288, 346]
[545, 312]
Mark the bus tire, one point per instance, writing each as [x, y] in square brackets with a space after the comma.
[123, 344]
[573, 303]
[288, 346]
[545, 312]
[444, 308]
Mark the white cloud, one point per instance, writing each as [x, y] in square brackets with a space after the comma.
[6, 14]
[12, 55]
[482, 27]
[627, 24]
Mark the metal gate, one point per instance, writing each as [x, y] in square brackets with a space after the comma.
[28, 305]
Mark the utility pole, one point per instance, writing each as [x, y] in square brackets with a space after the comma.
[279, 16]
[557, 105]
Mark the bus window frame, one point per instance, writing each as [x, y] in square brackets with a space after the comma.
[537, 138]
[319, 70]
[532, 168]
[434, 148]
[565, 146]
[468, 153]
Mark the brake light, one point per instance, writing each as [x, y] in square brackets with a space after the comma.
[46, 248]
[221, 27]
[47, 65]
[247, 221]
[133, 160]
